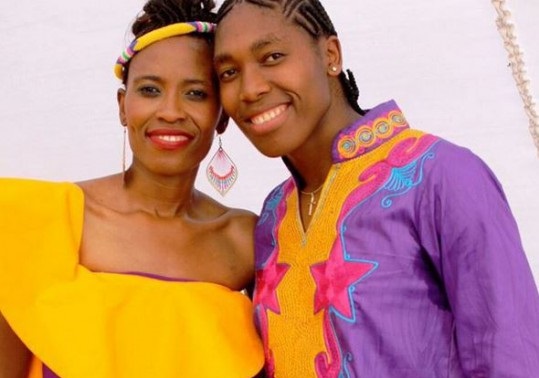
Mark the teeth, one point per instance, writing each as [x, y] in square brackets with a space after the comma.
[171, 138]
[269, 115]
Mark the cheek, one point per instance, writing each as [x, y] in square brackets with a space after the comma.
[206, 117]
[228, 97]
[136, 111]
[316, 87]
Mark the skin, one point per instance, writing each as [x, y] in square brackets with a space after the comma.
[154, 221]
[270, 63]
[170, 89]
[14, 357]
[276, 82]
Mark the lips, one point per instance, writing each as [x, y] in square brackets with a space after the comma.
[167, 139]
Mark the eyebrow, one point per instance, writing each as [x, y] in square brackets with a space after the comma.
[263, 42]
[136, 79]
[255, 47]
[159, 79]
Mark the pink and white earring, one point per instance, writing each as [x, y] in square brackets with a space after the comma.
[222, 173]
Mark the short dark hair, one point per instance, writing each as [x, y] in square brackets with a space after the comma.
[312, 17]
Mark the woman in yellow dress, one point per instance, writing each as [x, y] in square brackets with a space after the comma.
[137, 274]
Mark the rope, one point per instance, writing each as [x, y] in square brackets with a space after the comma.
[516, 62]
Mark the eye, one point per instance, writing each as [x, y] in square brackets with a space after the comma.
[149, 91]
[273, 57]
[227, 74]
[197, 94]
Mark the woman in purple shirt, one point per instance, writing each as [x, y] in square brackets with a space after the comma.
[389, 252]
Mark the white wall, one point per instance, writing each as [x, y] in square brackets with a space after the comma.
[443, 61]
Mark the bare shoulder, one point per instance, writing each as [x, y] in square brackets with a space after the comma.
[242, 224]
[235, 217]
[102, 192]
[101, 186]
[233, 231]
[242, 217]
[238, 224]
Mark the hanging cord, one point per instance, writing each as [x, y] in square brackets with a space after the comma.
[516, 62]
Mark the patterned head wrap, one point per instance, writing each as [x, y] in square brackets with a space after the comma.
[156, 35]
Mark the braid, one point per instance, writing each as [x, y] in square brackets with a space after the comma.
[313, 18]
[158, 13]
[224, 9]
[351, 91]
[229, 4]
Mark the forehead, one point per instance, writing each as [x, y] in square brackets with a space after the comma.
[249, 26]
[182, 55]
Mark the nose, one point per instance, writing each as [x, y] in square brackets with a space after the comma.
[171, 108]
[254, 84]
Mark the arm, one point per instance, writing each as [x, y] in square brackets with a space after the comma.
[242, 232]
[14, 356]
[477, 249]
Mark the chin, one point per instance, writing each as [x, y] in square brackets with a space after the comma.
[270, 151]
[271, 154]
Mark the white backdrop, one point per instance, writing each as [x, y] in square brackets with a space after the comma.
[443, 61]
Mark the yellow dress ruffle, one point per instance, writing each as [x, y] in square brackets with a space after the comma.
[104, 325]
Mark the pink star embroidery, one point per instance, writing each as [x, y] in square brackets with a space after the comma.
[334, 280]
[267, 280]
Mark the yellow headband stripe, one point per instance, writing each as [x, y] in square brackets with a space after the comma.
[157, 35]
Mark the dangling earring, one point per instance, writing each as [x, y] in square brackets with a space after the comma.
[222, 173]
[123, 153]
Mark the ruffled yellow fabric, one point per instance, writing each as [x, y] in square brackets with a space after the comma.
[86, 324]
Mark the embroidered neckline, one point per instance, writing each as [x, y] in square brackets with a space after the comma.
[373, 129]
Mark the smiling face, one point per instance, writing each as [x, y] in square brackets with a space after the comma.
[274, 78]
[170, 105]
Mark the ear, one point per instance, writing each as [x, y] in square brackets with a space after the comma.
[120, 97]
[222, 122]
[333, 54]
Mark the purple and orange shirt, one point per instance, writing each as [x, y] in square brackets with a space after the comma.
[412, 265]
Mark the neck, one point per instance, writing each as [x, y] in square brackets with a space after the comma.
[311, 163]
[163, 197]
[309, 174]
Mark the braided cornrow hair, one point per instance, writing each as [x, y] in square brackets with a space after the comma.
[311, 16]
[159, 13]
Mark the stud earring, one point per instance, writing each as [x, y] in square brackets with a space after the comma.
[222, 173]
[333, 69]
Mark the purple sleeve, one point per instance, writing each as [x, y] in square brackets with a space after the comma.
[468, 230]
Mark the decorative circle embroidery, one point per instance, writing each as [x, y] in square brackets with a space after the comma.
[368, 135]
[397, 119]
[365, 136]
[383, 129]
[347, 147]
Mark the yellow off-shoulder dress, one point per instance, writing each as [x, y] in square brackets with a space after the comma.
[83, 324]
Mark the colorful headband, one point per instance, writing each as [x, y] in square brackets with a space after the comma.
[157, 35]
